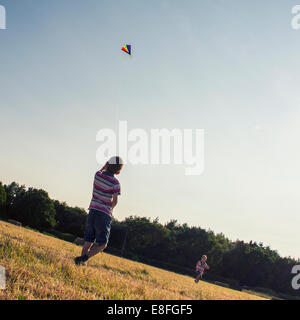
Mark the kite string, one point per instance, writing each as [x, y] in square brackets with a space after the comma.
[117, 114]
[116, 118]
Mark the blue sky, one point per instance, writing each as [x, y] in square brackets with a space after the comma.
[228, 67]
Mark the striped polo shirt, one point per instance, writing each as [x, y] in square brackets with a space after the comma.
[201, 266]
[105, 185]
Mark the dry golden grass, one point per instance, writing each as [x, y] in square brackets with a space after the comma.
[41, 267]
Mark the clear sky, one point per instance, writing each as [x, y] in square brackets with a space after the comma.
[228, 67]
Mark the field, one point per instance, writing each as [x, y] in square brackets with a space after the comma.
[41, 267]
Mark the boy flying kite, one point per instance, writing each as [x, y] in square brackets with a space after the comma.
[105, 197]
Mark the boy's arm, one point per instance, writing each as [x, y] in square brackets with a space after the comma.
[115, 193]
[114, 200]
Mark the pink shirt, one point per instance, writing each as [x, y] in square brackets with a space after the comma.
[105, 185]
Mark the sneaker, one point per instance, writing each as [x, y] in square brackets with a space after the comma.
[81, 260]
[196, 280]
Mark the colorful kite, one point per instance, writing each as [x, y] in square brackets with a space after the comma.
[127, 49]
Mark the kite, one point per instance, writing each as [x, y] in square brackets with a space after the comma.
[127, 49]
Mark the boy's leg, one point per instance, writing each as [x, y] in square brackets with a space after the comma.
[89, 237]
[86, 248]
[95, 249]
[102, 228]
[199, 276]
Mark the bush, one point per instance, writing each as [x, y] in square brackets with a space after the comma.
[222, 284]
[266, 291]
[233, 284]
[63, 236]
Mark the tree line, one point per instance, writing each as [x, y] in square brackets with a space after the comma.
[171, 246]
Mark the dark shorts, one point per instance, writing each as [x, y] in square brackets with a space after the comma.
[97, 227]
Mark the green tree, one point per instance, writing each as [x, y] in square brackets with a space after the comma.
[69, 220]
[2, 201]
[35, 209]
[12, 191]
[146, 238]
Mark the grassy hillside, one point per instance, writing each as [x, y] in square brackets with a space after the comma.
[41, 267]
